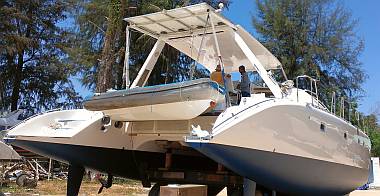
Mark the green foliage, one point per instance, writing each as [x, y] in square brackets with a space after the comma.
[33, 71]
[371, 126]
[100, 41]
[314, 37]
[318, 38]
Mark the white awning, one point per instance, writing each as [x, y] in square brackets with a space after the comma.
[184, 28]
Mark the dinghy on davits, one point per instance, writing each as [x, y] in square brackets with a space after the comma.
[192, 98]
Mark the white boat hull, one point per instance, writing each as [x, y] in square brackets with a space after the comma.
[282, 146]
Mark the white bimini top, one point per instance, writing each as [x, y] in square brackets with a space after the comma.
[184, 28]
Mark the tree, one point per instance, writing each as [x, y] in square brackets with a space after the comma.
[101, 38]
[314, 37]
[371, 126]
[34, 74]
[317, 38]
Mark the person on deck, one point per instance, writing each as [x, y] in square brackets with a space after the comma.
[245, 83]
[217, 75]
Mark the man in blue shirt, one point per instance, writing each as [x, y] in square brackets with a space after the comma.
[245, 83]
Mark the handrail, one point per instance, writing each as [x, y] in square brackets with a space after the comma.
[333, 102]
[314, 94]
[313, 82]
[341, 109]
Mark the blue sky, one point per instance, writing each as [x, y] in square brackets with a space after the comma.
[366, 11]
[368, 14]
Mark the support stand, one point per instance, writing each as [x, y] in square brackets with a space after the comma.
[74, 180]
[249, 187]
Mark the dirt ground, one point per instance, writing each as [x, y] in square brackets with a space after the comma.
[125, 187]
[58, 187]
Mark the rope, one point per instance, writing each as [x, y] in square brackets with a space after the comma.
[192, 69]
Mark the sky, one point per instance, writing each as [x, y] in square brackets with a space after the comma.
[368, 15]
[366, 11]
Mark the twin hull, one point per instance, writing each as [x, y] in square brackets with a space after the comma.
[291, 148]
[284, 147]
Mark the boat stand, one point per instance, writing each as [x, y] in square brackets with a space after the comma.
[74, 180]
[249, 187]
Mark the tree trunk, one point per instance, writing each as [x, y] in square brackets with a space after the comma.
[17, 81]
[105, 79]
[2, 89]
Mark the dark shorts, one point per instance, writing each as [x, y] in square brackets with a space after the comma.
[245, 94]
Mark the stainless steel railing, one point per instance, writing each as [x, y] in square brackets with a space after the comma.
[315, 102]
[313, 89]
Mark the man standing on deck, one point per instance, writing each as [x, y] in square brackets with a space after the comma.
[245, 83]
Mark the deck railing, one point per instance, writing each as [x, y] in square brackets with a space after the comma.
[312, 89]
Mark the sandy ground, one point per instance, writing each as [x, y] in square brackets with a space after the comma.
[56, 187]
[129, 188]
[366, 193]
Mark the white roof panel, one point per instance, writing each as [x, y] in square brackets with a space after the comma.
[183, 29]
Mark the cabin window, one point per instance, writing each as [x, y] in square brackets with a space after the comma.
[345, 135]
[323, 127]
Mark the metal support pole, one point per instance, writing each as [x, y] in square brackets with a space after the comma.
[200, 47]
[249, 187]
[342, 107]
[126, 59]
[269, 81]
[37, 172]
[333, 102]
[148, 65]
[349, 111]
[227, 96]
[311, 91]
[297, 87]
[49, 172]
[316, 91]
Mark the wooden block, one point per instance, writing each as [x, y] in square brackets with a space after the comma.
[183, 190]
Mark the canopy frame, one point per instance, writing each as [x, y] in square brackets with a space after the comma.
[178, 26]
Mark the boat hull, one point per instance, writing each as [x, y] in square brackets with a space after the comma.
[287, 173]
[132, 164]
[132, 150]
[291, 148]
[109, 160]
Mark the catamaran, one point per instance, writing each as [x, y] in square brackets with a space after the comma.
[281, 137]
